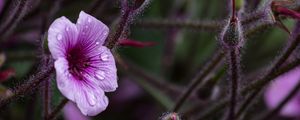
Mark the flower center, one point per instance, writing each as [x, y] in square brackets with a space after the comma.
[77, 63]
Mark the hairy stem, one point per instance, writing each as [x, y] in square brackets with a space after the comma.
[31, 85]
[47, 98]
[234, 78]
[197, 80]
[166, 23]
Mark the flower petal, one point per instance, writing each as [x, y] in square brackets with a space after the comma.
[106, 74]
[279, 90]
[65, 81]
[62, 35]
[91, 101]
[91, 30]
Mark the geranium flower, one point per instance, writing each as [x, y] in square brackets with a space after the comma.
[85, 69]
[280, 88]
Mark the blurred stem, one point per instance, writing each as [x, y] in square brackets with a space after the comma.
[58, 108]
[211, 83]
[47, 18]
[197, 80]
[224, 102]
[47, 98]
[166, 23]
[163, 99]
[94, 6]
[163, 85]
[274, 112]
[233, 11]
[20, 55]
[205, 25]
[14, 18]
[5, 9]
[33, 82]
[31, 107]
[170, 42]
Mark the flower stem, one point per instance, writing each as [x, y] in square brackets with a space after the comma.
[197, 80]
[189, 24]
[56, 110]
[112, 41]
[31, 85]
[233, 11]
[47, 98]
[126, 19]
[234, 78]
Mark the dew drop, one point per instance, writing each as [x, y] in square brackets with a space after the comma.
[61, 84]
[104, 57]
[97, 43]
[67, 28]
[89, 20]
[105, 33]
[59, 36]
[100, 75]
[91, 98]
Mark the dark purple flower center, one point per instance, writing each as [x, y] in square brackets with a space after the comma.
[78, 62]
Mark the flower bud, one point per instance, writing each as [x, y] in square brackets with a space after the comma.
[232, 35]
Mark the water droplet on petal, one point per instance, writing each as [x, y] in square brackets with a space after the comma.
[104, 57]
[89, 20]
[100, 75]
[105, 33]
[97, 43]
[61, 84]
[91, 98]
[59, 36]
[67, 28]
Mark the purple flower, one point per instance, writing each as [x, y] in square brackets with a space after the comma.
[85, 69]
[71, 112]
[280, 88]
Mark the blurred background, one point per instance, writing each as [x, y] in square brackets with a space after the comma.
[178, 54]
